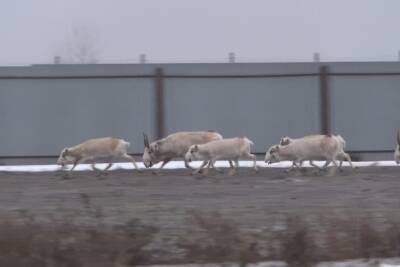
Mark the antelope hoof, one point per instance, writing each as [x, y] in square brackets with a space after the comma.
[219, 170]
[196, 172]
[232, 173]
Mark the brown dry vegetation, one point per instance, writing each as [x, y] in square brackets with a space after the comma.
[210, 238]
[30, 243]
[47, 220]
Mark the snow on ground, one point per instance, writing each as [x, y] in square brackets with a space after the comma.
[176, 165]
[395, 262]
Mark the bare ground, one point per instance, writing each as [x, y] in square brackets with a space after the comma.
[259, 203]
[255, 201]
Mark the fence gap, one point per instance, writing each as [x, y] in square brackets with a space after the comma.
[159, 103]
[325, 101]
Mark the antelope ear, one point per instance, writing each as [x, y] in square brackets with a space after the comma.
[157, 147]
[284, 141]
[64, 152]
[146, 140]
[398, 137]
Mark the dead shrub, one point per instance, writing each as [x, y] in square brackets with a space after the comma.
[65, 245]
[212, 238]
[296, 244]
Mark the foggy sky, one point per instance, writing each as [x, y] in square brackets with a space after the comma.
[34, 31]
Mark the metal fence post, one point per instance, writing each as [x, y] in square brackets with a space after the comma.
[159, 103]
[325, 101]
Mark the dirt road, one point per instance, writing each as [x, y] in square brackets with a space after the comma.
[258, 203]
[253, 200]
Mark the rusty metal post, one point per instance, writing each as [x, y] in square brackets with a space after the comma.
[325, 101]
[159, 103]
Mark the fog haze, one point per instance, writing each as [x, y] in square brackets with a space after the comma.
[33, 32]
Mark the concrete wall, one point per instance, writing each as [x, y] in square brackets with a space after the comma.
[47, 107]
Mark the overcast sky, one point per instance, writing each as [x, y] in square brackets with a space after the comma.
[34, 31]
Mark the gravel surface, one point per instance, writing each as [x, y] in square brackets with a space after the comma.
[254, 201]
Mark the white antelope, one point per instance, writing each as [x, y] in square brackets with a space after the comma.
[397, 151]
[231, 149]
[174, 146]
[106, 148]
[314, 147]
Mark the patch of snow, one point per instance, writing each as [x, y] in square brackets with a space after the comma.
[395, 262]
[178, 165]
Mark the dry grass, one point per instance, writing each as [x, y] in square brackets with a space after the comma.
[301, 244]
[29, 243]
[61, 242]
[296, 244]
[212, 238]
[209, 238]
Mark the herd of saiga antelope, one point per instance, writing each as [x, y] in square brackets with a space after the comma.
[210, 146]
